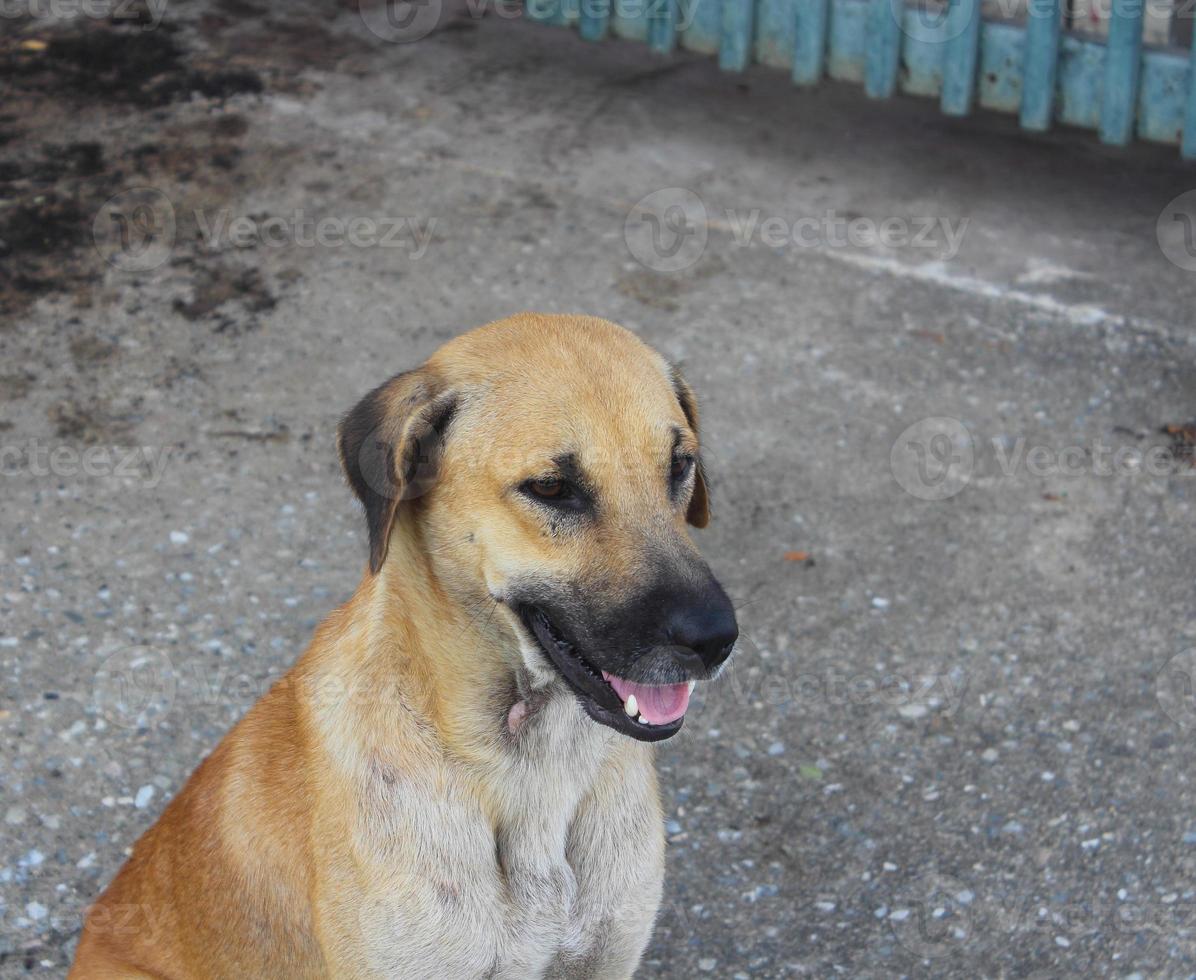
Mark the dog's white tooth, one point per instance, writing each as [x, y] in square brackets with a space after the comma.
[630, 706]
[642, 720]
[692, 685]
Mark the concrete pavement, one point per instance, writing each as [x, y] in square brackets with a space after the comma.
[936, 360]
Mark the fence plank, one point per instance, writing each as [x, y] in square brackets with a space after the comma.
[1188, 148]
[735, 47]
[960, 57]
[1043, 27]
[593, 21]
[1123, 63]
[662, 25]
[809, 52]
[883, 47]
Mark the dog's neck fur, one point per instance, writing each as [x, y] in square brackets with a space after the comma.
[428, 671]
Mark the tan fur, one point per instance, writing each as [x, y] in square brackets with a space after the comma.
[373, 815]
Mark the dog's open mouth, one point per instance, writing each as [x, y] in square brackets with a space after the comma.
[648, 712]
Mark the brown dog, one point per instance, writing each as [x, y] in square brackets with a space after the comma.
[455, 780]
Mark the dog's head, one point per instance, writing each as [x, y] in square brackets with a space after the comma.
[550, 465]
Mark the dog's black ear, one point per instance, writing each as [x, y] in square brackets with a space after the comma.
[390, 446]
[698, 513]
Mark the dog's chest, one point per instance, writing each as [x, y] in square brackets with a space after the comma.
[567, 886]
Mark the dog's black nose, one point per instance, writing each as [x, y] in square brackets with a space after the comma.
[704, 625]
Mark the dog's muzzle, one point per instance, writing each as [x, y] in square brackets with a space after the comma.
[641, 691]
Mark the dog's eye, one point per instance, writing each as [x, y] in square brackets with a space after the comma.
[550, 488]
[680, 468]
[562, 489]
[558, 493]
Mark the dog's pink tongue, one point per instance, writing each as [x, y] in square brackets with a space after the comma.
[658, 704]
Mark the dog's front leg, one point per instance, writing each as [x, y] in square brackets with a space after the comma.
[616, 848]
[541, 892]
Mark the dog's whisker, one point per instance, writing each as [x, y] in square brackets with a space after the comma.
[474, 611]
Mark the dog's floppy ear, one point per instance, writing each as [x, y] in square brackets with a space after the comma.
[390, 447]
[698, 513]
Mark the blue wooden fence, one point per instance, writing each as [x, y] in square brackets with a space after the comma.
[1118, 87]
